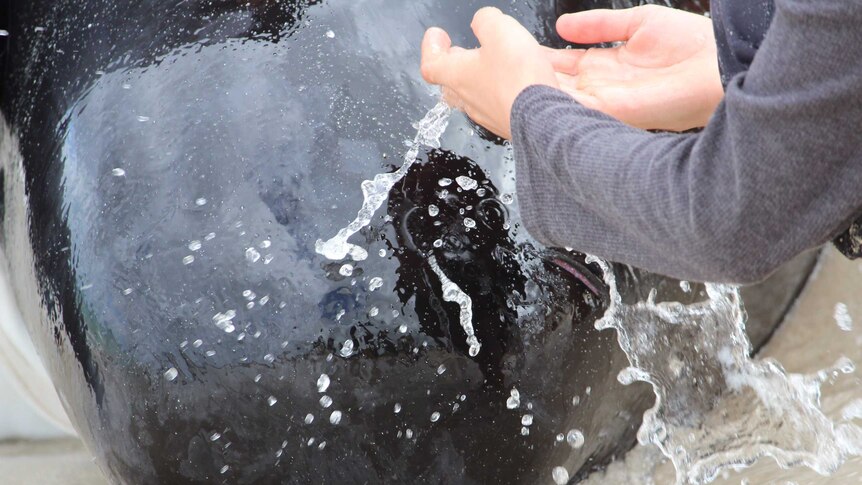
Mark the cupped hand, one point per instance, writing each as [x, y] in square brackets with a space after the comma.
[485, 81]
[665, 76]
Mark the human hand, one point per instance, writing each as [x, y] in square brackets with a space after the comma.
[664, 77]
[484, 82]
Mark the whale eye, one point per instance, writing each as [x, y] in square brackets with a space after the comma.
[492, 214]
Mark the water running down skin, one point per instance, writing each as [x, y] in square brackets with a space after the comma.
[376, 191]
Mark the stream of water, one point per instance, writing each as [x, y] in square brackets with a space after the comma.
[716, 407]
[376, 191]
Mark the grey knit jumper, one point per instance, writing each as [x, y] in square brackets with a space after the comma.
[777, 171]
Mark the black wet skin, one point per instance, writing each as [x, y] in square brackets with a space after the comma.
[255, 108]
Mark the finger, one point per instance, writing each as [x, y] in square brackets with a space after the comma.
[485, 22]
[442, 63]
[565, 60]
[490, 25]
[596, 26]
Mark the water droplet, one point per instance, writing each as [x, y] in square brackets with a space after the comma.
[251, 255]
[842, 317]
[469, 222]
[685, 286]
[309, 418]
[346, 270]
[433, 210]
[435, 416]
[269, 358]
[527, 420]
[514, 399]
[507, 198]
[126, 86]
[466, 183]
[194, 245]
[382, 253]
[444, 182]
[322, 445]
[561, 475]
[481, 192]
[575, 438]
[330, 34]
[197, 343]
[347, 348]
[441, 369]
[335, 417]
[402, 329]
[375, 283]
[223, 320]
[188, 260]
[525, 431]
[438, 243]
[397, 408]
[373, 311]
[171, 374]
[249, 295]
[323, 383]
[143, 119]
[118, 172]
[209, 353]
[258, 377]
[224, 469]
[209, 237]
[325, 401]
[408, 433]
[266, 243]
[215, 436]
[200, 201]
[560, 438]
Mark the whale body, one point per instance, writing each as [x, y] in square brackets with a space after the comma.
[167, 167]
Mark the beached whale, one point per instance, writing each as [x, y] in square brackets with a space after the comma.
[167, 167]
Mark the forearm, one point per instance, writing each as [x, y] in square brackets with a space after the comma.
[774, 173]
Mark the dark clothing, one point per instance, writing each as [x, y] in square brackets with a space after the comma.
[740, 26]
[777, 171]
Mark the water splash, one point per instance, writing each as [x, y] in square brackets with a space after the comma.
[452, 293]
[722, 409]
[375, 192]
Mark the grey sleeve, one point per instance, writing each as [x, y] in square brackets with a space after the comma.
[777, 171]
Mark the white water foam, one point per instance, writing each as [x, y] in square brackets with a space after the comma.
[452, 293]
[722, 409]
[375, 192]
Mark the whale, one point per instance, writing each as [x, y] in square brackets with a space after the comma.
[166, 168]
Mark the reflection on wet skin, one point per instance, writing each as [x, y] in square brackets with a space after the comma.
[179, 160]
